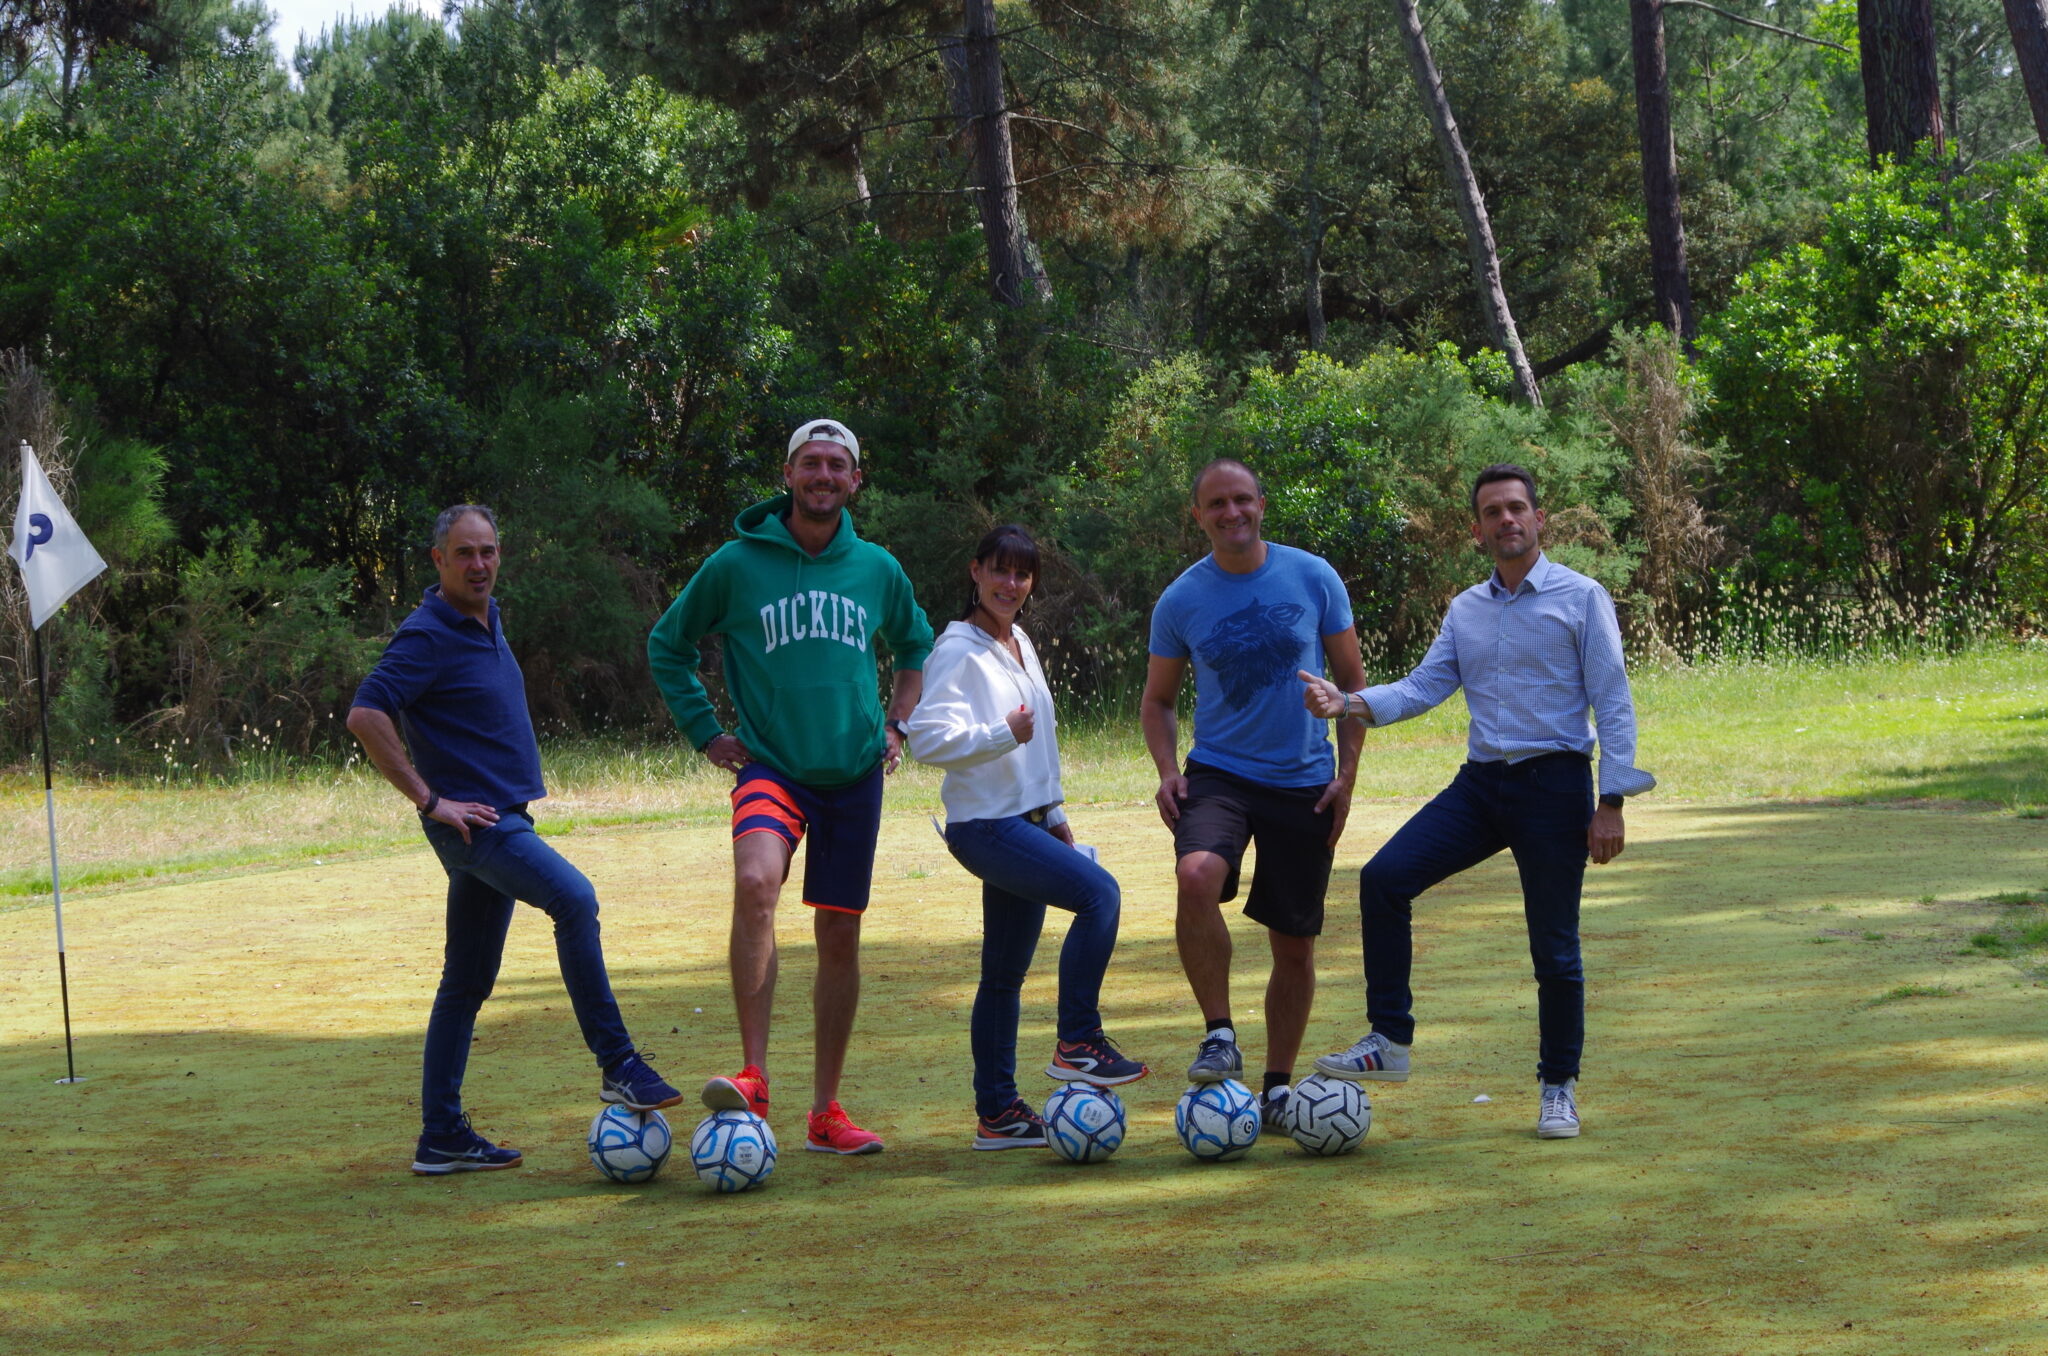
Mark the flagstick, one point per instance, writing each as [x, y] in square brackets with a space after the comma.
[56, 887]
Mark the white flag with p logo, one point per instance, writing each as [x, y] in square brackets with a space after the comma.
[55, 558]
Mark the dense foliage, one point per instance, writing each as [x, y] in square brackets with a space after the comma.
[588, 262]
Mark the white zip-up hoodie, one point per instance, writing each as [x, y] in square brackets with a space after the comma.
[971, 684]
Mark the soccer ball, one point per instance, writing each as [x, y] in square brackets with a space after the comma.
[732, 1150]
[1328, 1116]
[1217, 1121]
[628, 1145]
[1084, 1123]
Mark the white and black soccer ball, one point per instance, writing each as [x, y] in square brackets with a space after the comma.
[1328, 1116]
[628, 1145]
[732, 1150]
[1084, 1123]
[1217, 1121]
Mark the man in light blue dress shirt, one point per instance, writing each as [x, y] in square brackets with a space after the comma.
[1534, 647]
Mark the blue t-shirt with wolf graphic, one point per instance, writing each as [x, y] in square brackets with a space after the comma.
[1248, 634]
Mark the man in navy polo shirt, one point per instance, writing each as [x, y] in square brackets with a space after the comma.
[449, 676]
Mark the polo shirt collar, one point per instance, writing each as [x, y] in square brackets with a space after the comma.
[450, 616]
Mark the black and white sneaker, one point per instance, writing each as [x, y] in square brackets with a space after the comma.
[1016, 1126]
[461, 1150]
[1217, 1061]
[1093, 1059]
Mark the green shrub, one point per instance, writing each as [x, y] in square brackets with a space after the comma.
[1884, 395]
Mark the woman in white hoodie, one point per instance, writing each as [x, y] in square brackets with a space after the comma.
[986, 718]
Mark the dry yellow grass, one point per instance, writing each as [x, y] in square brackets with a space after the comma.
[1775, 1159]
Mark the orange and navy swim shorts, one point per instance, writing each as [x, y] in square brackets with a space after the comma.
[842, 824]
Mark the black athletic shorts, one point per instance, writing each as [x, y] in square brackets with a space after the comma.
[1224, 812]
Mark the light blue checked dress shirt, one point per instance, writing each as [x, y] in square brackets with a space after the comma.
[1531, 663]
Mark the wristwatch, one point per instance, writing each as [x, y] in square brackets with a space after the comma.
[1610, 801]
[898, 728]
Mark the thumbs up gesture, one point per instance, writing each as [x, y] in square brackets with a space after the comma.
[1021, 724]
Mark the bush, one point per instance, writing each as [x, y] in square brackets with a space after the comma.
[1884, 394]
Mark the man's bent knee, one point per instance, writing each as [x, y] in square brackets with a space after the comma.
[1200, 877]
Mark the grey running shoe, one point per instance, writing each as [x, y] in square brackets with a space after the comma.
[1273, 1108]
[1216, 1061]
[1374, 1059]
[1557, 1117]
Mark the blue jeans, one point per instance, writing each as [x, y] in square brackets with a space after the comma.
[500, 864]
[1539, 810]
[1023, 868]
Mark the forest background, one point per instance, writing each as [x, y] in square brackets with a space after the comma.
[1761, 296]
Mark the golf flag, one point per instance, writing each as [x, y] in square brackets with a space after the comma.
[55, 558]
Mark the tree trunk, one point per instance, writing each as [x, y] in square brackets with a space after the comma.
[1312, 230]
[1493, 298]
[1668, 280]
[1002, 224]
[2028, 20]
[1901, 91]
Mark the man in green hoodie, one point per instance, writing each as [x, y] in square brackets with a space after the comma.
[799, 598]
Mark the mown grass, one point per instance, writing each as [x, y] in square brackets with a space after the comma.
[1786, 1146]
[1970, 729]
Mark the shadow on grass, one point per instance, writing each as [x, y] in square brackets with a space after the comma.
[2017, 774]
[233, 1177]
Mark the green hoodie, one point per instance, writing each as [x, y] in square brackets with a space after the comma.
[797, 630]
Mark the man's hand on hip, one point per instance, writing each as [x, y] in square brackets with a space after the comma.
[1337, 796]
[1604, 835]
[728, 752]
[463, 815]
[1173, 789]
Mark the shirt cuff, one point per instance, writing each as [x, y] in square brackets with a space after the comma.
[1056, 816]
[1384, 702]
[1619, 779]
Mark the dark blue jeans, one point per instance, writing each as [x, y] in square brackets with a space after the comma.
[1023, 868]
[1539, 810]
[501, 864]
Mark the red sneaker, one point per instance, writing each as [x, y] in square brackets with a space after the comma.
[746, 1090]
[833, 1132]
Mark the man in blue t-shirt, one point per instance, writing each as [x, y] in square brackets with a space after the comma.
[469, 763]
[1250, 615]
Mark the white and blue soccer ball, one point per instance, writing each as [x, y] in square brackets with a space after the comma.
[732, 1150]
[1217, 1121]
[628, 1145]
[1328, 1116]
[1084, 1123]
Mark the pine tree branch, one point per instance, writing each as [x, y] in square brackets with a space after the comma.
[1757, 23]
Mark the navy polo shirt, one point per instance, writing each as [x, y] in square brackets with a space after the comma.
[456, 691]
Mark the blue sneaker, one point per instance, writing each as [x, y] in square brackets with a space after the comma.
[1217, 1061]
[1374, 1059]
[462, 1150]
[1016, 1126]
[631, 1084]
[1093, 1059]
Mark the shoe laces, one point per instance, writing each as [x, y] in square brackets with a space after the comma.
[463, 1134]
[1558, 1101]
[1017, 1110]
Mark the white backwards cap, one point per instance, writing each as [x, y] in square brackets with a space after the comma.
[825, 431]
